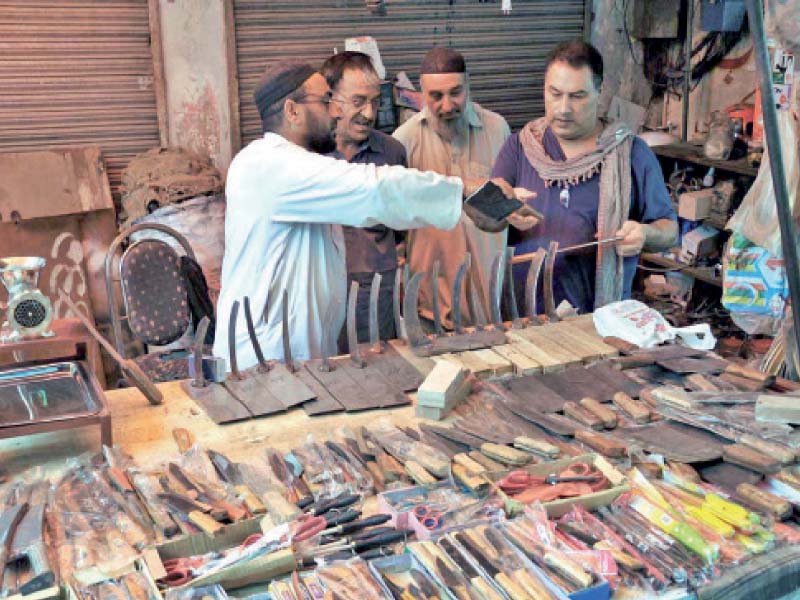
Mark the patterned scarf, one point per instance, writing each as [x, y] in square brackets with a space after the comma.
[612, 159]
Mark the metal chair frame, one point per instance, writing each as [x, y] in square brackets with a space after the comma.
[112, 280]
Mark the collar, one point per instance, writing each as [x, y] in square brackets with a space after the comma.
[472, 112]
[374, 143]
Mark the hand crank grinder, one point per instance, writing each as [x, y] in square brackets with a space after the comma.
[28, 311]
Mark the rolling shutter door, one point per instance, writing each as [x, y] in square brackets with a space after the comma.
[76, 73]
[505, 53]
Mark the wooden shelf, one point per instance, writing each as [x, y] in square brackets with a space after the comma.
[702, 273]
[694, 154]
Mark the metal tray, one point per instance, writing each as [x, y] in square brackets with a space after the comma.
[44, 393]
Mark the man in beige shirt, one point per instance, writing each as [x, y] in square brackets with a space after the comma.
[452, 136]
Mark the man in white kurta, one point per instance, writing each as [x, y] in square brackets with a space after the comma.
[285, 208]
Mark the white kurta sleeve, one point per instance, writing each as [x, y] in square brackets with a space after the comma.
[359, 195]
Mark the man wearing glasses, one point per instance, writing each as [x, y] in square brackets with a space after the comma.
[369, 250]
[285, 201]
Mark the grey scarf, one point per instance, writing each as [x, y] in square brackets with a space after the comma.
[612, 159]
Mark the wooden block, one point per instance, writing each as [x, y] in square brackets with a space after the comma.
[605, 414]
[521, 362]
[416, 472]
[441, 384]
[739, 454]
[589, 340]
[483, 460]
[474, 482]
[522, 344]
[634, 409]
[431, 413]
[785, 385]
[604, 445]
[620, 344]
[582, 416]
[206, 524]
[778, 409]
[764, 501]
[742, 383]
[506, 455]
[559, 344]
[498, 366]
[473, 467]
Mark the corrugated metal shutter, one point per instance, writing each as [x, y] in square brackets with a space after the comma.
[505, 53]
[77, 72]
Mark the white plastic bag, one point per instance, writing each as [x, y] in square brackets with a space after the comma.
[639, 324]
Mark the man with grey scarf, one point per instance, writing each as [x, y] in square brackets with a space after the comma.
[594, 180]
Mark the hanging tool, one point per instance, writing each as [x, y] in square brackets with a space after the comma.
[549, 295]
[130, 369]
[287, 341]
[516, 321]
[399, 323]
[437, 313]
[532, 284]
[496, 288]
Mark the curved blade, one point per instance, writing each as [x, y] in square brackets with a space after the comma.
[399, 324]
[475, 305]
[199, 338]
[516, 322]
[416, 336]
[437, 314]
[532, 285]
[287, 342]
[458, 285]
[251, 331]
[374, 296]
[352, 332]
[549, 297]
[496, 290]
[232, 339]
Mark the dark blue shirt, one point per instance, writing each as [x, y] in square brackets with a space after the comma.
[373, 249]
[576, 222]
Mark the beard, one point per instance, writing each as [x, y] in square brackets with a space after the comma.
[320, 137]
[450, 129]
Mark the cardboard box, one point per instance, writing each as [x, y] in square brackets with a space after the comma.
[558, 508]
[700, 242]
[695, 206]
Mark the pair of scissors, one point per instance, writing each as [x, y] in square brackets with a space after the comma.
[308, 527]
[181, 571]
[430, 516]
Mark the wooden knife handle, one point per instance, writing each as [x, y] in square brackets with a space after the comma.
[485, 590]
[604, 445]
[763, 500]
[633, 408]
[204, 522]
[739, 454]
[514, 591]
[620, 344]
[582, 416]
[605, 414]
[782, 453]
[749, 373]
[138, 378]
[473, 467]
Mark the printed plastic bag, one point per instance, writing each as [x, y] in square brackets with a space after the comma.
[754, 289]
[639, 324]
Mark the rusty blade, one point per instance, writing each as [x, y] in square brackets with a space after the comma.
[374, 297]
[399, 324]
[199, 337]
[496, 289]
[415, 335]
[549, 297]
[475, 304]
[251, 331]
[352, 331]
[287, 341]
[516, 322]
[532, 285]
[437, 314]
[232, 340]
[458, 285]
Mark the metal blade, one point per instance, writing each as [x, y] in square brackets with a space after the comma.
[437, 314]
[374, 296]
[251, 331]
[232, 340]
[414, 332]
[352, 332]
[199, 337]
[399, 324]
[475, 304]
[611, 240]
[458, 285]
[532, 285]
[287, 342]
[496, 290]
[549, 297]
[516, 322]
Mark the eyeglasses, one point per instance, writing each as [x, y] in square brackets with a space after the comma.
[325, 98]
[360, 102]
